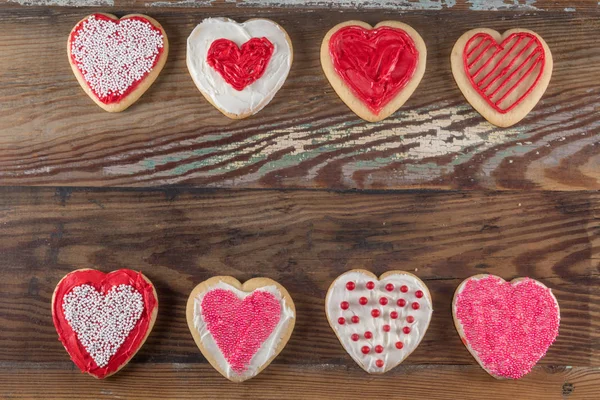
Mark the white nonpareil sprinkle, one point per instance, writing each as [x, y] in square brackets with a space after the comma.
[102, 322]
[112, 55]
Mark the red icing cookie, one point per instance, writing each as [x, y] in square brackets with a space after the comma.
[502, 76]
[239, 328]
[103, 319]
[116, 60]
[373, 70]
[507, 326]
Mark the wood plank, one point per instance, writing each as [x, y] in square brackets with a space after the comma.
[302, 239]
[193, 381]
[395, 5]
[306, 137]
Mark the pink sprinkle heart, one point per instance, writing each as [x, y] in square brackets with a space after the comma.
[239, 327]
[507, 326]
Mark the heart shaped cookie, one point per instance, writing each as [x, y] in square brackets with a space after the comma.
[116, 60]
[378, 321]
[239, 67]
[506, 326]
[502, 76]
[239, 328]
[103, 319]
[374, 70]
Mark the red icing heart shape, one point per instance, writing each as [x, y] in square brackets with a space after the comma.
[240, 67]
[507, 326]
[89, 293]
[504, 74]
[375, 64]
[239, 327]
[114, 56]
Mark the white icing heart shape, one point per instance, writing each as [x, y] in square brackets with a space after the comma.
[254, 96]
[239, 328]
[102, 322]
[381, 321]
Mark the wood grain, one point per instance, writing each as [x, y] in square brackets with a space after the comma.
[194, 381]
[302, 240]
[395, 5]
[52, 134]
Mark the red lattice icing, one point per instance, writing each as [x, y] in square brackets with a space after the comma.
[504, 74]
[239, 327]
[509, 326]
[240, 67]
[114, 56]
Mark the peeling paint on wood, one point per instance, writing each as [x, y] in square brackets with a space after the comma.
[367, 4]
[497, 5]
[65, 3]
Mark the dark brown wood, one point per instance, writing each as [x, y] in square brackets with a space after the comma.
[306, 137]
[303, 240]
[194, 381]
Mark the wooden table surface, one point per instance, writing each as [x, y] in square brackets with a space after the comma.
[300, 193]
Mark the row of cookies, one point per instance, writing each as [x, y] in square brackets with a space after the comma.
[239, 67]
[103, 320]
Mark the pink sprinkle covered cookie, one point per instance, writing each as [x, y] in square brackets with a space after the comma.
[116, 60]
[239, 328]
[507, 326]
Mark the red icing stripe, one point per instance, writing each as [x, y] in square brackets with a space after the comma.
[240, 67]
[376, 64]
[103, 283]
[496, 71]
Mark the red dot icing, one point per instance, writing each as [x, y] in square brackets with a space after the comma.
[368, 335]
[401, 302]
[399, 345]
[389, 287]
[410, 319]
[370, 285]
[355, 337]
[404, 288]
[354, 319]
[394, 315]
[419, 294]
[350, 285]
[383, 301]
[365, 349]
[375, 313]
[345, 305]
[341, 320]
[379, 349]
[379, 363]
[363, 301]
[386, 328]
[240, 327]
[510, 327]
[406, 330]
[415, 306]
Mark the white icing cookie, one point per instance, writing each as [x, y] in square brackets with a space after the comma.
[503, 76]
[239, 67]
[378, 321]
[239, 328]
